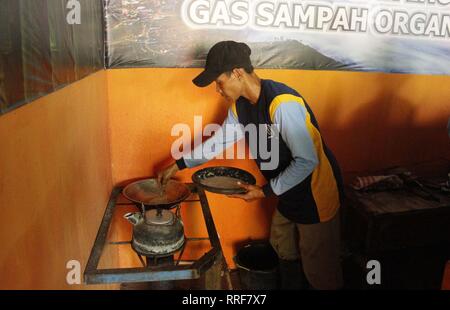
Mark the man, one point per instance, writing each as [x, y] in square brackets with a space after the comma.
[305, 226]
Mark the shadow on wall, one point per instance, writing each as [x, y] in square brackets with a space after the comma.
[384, 131]
[264, 215]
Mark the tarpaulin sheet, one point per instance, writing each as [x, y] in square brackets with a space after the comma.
[43, 47]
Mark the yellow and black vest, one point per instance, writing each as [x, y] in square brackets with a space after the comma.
[315, 199]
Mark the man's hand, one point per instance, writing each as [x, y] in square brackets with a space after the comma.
[166, 174]
[253, 192]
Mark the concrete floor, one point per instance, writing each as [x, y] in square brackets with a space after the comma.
[413, 269]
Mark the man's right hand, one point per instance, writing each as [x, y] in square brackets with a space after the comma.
[167, 173]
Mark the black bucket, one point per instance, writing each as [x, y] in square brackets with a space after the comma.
[257, 264]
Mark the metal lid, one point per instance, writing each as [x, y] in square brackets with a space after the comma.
[159, 217]
[150, 193]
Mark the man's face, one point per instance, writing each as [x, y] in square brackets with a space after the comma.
[229, 86]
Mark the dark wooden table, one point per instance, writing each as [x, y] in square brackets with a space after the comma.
[408, 234]
[396, 219]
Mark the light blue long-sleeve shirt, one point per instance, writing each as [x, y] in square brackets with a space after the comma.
[290, 118]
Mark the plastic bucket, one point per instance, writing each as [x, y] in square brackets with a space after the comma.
[257, 263]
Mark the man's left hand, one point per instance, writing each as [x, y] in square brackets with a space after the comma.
[253, 192]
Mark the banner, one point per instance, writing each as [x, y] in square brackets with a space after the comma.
[404, 36]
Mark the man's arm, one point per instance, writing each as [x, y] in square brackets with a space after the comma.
[229, 133]
[292, 118]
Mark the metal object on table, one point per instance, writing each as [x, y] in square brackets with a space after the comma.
[413, 185]
[181, 270]
[223, 180]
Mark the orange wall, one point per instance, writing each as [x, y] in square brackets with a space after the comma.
[370, 120]
[61, 155]
[55, 180]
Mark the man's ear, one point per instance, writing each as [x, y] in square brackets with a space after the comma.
[238, 72]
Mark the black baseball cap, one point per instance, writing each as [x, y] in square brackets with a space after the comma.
[224, 56]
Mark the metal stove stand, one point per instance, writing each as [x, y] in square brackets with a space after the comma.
[212, 264]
